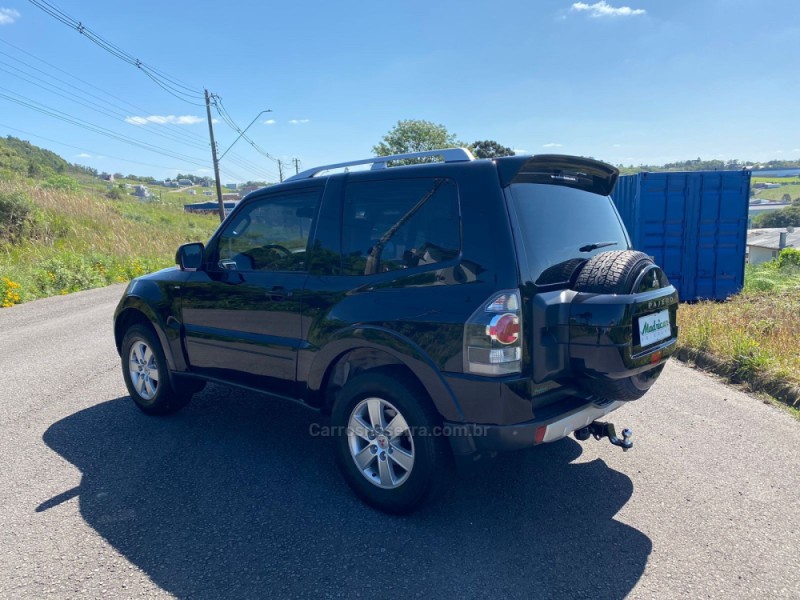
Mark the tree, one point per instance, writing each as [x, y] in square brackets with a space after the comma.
[785, 217]
[413, 135]
[490, 149]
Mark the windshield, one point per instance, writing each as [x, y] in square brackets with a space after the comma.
[560, 227]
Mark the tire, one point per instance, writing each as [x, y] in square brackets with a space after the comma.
[615, 273]
[398, 473]
[611, 272]
[144, 368]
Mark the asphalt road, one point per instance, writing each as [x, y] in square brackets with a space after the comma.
[233, 498]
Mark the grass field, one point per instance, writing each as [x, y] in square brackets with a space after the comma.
[755, 332]
[789, 185]
[72, 240]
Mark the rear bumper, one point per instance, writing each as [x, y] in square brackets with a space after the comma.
[549, 426]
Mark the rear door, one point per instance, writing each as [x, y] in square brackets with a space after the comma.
[242, 313]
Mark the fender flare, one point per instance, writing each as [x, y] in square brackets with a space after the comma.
[167, 327]
[401, 348]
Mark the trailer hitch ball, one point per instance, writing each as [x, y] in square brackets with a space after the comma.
[600, 430]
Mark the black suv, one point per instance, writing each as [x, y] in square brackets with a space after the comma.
[433, 309]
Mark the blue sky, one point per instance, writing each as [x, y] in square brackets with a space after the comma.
[628, 81]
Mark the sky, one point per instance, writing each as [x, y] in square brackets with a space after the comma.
[624, 81]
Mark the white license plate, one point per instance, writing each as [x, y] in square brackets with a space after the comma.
[654, 328]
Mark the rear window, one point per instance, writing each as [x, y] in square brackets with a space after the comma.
[560, 227]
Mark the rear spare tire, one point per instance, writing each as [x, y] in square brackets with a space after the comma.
[615, 273]
[611, 272]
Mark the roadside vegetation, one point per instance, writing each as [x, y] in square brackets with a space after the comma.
[755, 333]
[57, 240]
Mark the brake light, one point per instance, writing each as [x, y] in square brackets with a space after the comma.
[504, 328]
[492, 340]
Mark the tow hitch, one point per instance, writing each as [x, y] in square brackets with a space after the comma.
[600, 430]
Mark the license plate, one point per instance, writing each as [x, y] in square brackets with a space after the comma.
[654, 328]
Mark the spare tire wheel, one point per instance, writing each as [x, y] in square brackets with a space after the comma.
[615, 273]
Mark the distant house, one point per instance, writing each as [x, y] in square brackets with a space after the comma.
[765, 244]
[208, 193]
[184, 182]
[232, 186]
[141, 191]
[193, 192]
[232, 197]
[170, 183]
[249, 188]
[107, 177]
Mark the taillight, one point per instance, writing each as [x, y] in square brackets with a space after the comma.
[504, 328]
[492, 336]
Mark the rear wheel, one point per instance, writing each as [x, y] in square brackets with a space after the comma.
[388, 445]
[144, 368]
[615, 273]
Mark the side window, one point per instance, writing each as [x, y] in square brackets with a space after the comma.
[269, 235]
[399, 224]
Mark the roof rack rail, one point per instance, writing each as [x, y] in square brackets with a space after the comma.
[380, 162]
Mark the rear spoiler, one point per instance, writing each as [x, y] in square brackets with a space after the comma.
[555, 169]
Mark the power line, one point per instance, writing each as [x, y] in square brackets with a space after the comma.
[232, 124]
[57, 114]
[171, 85]
[128, 160]
[118, 99]
[88, 103]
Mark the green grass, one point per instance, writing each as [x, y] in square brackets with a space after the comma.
[789, 185]
[756, 332]
[81, 239]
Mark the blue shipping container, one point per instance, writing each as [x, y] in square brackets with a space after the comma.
[694, 224]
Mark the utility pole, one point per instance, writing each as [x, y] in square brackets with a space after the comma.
[214, 157]
[280, 169]
[296, 165]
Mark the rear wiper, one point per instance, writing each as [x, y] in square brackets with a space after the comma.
[595, 246]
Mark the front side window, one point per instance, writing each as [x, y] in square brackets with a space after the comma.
[268, 235]
[399, 224]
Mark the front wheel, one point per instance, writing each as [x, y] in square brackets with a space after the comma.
[144, 368]
[389, 445]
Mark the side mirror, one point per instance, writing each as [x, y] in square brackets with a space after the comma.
[190, 256]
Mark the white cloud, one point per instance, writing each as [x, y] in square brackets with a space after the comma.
[269, 122]
[604, 9]
[520, 151]
[795, 149]
[617, 146]
[84, 155]
[8, 16]
[165, 120]
[552, 145]
[298, 121]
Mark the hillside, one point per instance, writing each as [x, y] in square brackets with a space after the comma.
[63, 230]
[18, 157]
